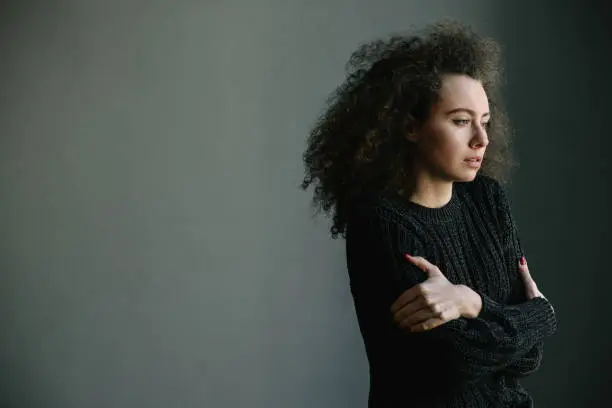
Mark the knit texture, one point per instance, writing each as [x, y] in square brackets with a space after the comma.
[465, 362]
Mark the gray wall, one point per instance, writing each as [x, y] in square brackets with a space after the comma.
[154, 247]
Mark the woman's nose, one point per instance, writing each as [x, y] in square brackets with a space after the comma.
[480, 138]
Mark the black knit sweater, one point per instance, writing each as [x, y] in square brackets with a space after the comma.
[464, 362]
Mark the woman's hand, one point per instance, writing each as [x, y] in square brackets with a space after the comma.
[530, 286]
[433, 302]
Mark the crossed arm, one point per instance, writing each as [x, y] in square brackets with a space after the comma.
[478, 341]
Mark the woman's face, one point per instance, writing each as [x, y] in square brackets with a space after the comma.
[452, 141]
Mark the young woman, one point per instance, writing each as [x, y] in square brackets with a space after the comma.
[409, 158]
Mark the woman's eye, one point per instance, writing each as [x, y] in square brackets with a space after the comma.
[485, 125]
[461, 122]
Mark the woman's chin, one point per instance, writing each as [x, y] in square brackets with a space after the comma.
[467, 176]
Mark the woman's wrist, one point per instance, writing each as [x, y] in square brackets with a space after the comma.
[470, 302]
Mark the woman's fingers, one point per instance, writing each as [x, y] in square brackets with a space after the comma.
[427, 325]
[447, 315]
[524, 269]
[424, 265]
[409, 309]
[422, 289]
[418, 311]
[437, 313]
[408, 296]
[428, 304]
[524, 272]
[530, 285]
[419, 316]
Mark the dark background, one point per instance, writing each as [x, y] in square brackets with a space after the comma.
[155, 249]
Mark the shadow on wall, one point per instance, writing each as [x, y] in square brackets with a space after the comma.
[558, 99]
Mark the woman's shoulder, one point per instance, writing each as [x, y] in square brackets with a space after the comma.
[381, 219]
[380, 212]
[381, 206]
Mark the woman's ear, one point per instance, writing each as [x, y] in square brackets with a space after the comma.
[412, 134]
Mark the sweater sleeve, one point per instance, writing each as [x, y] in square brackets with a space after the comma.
[473, 348]
[513, 251]
[529, 363]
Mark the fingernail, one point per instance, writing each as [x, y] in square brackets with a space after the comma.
[408, 256]
[523, 260]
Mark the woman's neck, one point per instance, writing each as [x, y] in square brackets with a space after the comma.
[430, 193]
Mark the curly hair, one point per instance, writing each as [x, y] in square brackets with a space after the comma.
[358, 144]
